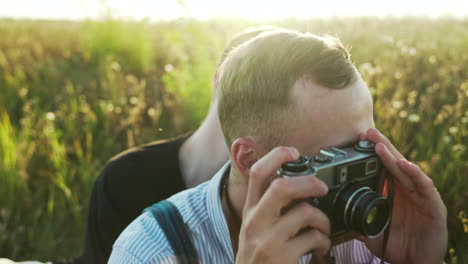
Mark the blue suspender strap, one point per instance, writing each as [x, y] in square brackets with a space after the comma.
[174, 228]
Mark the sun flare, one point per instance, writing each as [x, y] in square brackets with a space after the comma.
[247, 9]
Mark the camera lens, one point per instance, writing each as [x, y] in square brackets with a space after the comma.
[364, 210]
[370, 215]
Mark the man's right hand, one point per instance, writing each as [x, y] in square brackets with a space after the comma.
[268, 233]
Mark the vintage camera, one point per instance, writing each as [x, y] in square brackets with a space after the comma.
[354, 203]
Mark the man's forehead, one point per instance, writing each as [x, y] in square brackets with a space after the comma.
[313, 98]
[330, 117]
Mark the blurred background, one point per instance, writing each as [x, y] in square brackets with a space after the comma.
[83, 80]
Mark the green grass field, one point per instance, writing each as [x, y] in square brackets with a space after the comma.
[74, 94]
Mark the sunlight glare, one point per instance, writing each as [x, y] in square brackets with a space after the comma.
[204, 9]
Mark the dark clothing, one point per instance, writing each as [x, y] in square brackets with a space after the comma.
[130, 182]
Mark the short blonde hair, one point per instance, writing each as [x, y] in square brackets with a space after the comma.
[243, 36]
[256, 79]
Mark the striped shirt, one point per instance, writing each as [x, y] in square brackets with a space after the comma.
[143, 241]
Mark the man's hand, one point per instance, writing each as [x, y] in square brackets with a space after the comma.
[269, 234]
[418, 231]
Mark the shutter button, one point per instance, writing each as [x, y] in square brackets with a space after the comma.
[322, 158]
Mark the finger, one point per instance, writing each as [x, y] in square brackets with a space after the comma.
[375, 136]
[422, 182]
[362, 136]
[261, 172]
[298, 217]
[310, 241]
[390, 162]
[283, 191]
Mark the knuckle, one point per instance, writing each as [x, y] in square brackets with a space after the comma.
[284, 152]
[319, 185]
[315, 218]
[315, 235]
[249, 227]
[249, 232]
[327, 244]
[256, 169]
[428, 183]
[263, 250]
[327, 226]
[319, 239]
[307, 211]
[280, 187]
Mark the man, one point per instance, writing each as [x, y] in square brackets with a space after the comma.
[300, 92]
[142, 176]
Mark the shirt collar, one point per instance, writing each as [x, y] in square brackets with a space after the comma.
[215, 210]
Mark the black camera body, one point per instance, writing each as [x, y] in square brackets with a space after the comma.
[353, 204]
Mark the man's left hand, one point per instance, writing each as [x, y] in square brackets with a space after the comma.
[418, 230]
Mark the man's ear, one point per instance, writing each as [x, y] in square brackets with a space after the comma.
[244, 154]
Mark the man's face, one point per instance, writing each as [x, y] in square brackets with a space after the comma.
[329, 117]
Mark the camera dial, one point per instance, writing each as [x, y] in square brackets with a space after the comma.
[322, 158]
[299, 166]
[365, 146]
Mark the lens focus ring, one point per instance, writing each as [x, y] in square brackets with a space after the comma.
[366, 211]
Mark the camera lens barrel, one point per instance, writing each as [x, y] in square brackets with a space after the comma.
[363, 210]
[373, 218]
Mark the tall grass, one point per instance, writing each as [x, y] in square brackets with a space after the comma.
[74, 94]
